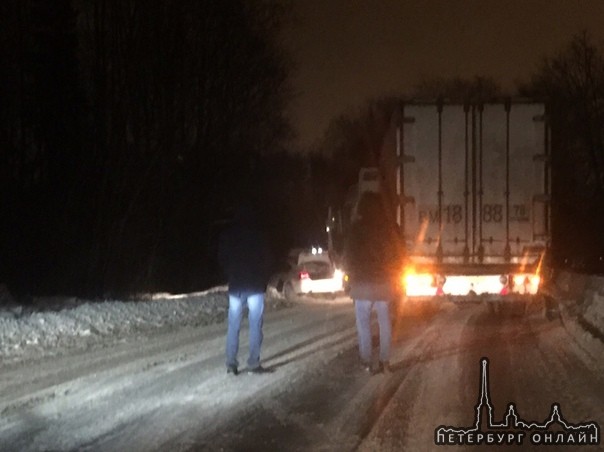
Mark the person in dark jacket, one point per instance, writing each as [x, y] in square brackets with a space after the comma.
[372, 260]
[245, 258]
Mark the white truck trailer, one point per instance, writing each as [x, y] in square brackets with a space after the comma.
[469, 186]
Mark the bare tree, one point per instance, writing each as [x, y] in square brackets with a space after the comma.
[458, 89]
[186, 95]
[572, 82]
[354, 139]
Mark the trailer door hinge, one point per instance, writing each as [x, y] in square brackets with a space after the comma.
[405, 158]
[542, 197]
[541, 158]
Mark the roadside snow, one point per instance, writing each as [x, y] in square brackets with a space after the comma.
[51, 326]
[54, 326]
[594, 301]
[157, 391]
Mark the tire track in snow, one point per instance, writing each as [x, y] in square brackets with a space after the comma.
[425, 361]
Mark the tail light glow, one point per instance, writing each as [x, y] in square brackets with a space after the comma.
[426, 284]
[419, 284]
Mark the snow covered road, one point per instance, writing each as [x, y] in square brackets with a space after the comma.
[533, 362]
[167, 389]
[151, 388]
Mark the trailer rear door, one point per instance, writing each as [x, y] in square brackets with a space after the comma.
[474, 184]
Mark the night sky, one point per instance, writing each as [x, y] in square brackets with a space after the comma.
[348, 51]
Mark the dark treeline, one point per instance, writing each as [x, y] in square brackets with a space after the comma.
[127, 130]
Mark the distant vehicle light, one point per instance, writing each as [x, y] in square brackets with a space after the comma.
[304, 275]
[338, 274]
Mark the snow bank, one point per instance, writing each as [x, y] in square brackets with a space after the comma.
[581, 301]
[49, 326]
[583, 297]
[593, 301]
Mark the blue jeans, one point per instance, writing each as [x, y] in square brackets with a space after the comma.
[255, 304]
[363, 316]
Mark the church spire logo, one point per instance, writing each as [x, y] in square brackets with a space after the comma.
[512, 430]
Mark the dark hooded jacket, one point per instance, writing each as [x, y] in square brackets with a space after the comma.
[244, 253]
[372, 253]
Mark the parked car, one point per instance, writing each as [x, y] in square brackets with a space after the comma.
[314, 272]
